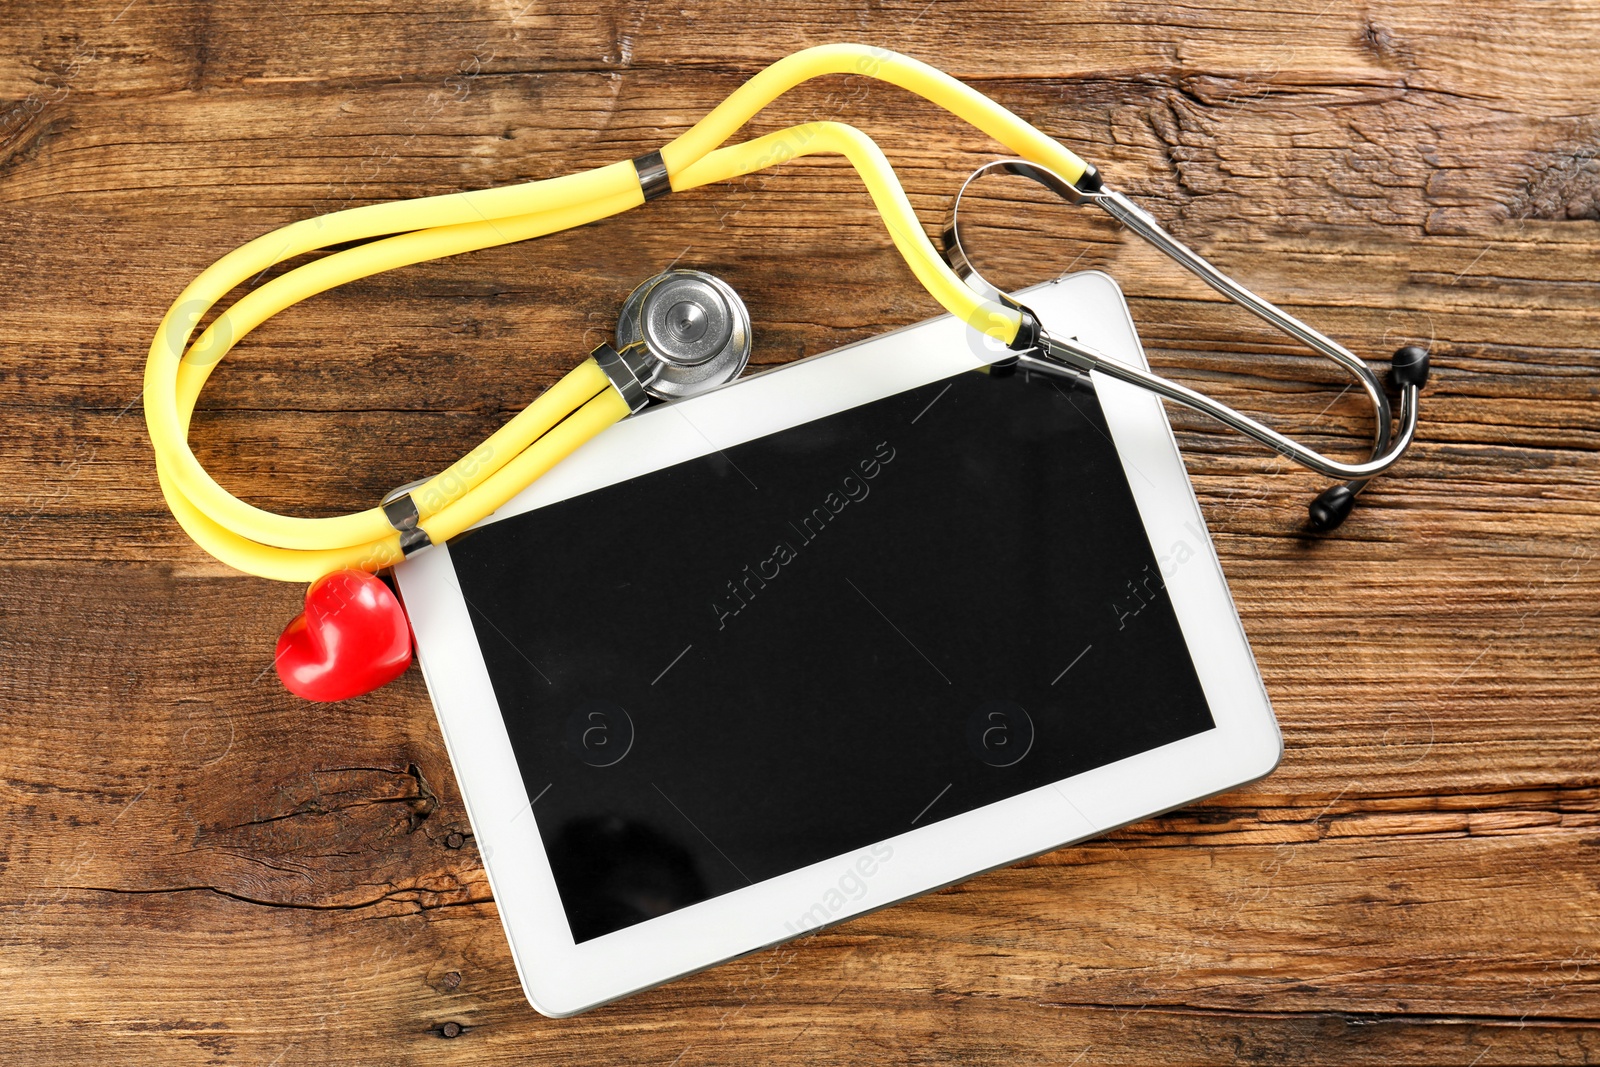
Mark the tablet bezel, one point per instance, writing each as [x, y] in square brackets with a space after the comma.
[561, 978]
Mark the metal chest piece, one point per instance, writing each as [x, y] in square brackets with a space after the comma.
[680, 333]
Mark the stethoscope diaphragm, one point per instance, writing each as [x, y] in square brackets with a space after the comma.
[693, 326]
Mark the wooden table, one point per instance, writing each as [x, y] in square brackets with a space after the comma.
[200, 868]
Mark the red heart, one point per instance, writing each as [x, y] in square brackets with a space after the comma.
[352, 638]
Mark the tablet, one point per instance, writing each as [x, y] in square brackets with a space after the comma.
[831, 636]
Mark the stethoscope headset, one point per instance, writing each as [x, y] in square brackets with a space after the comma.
[680, 333]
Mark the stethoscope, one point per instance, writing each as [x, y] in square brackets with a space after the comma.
[680, 333]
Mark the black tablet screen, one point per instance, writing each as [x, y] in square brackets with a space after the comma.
[802, 645]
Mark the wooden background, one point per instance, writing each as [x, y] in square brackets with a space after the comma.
[196, 867]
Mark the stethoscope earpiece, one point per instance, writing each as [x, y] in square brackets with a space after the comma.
[1407, 367]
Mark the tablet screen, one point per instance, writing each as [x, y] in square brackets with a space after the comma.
[808, 643]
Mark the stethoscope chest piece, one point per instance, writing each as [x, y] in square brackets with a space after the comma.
[683, 332]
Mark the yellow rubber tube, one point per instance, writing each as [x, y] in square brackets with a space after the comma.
[930, 83]
[369, 259]
[297, 548]
[509, 442]
[456, 514]
[193, 370]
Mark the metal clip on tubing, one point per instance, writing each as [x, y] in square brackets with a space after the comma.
[1408, 368]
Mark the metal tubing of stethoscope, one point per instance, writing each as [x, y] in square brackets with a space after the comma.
[1084, 359]
[1140, 222]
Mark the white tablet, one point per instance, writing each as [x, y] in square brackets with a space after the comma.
[831, 636]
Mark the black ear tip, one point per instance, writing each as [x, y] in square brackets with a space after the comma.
[1331, 508]
[1410, 366]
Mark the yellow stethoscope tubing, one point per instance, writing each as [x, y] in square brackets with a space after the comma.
[293, 548]
[569, 423]
[931, 83]
[382, 547]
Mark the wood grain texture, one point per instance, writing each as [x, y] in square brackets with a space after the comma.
[196, 868]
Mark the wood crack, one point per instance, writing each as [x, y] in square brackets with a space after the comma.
[1349, 1018]
[398, 893]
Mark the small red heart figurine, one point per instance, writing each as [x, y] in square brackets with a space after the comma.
[352, 638]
